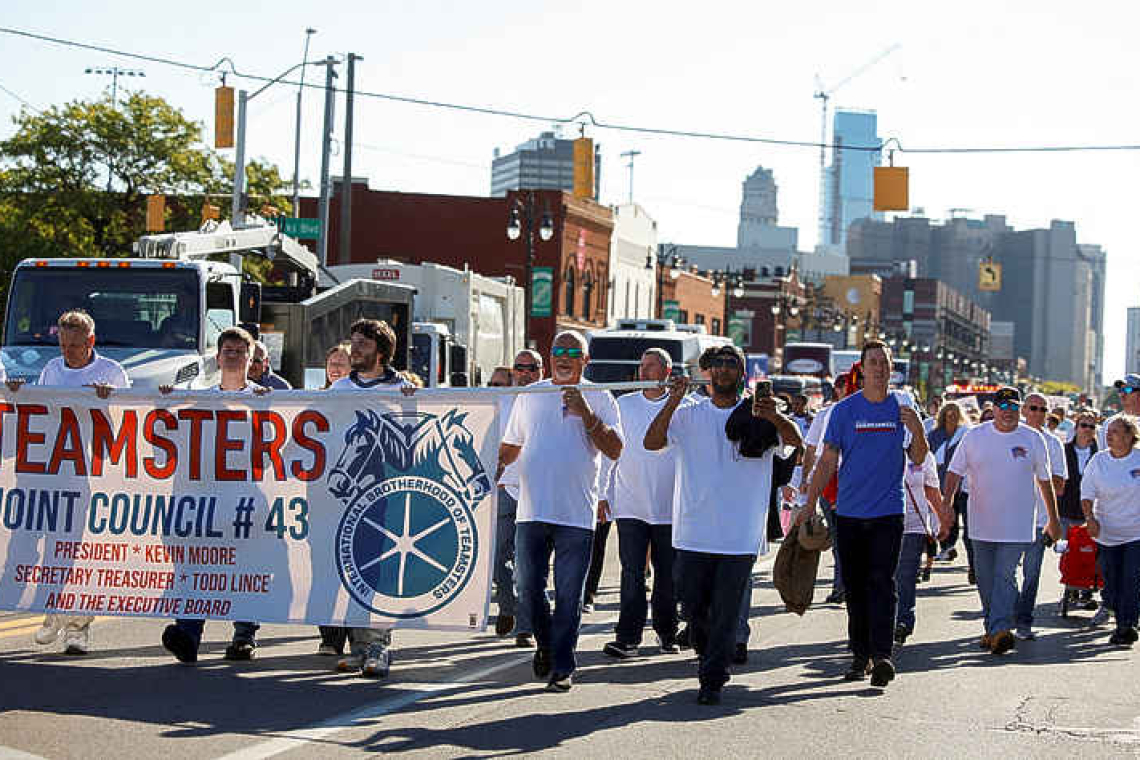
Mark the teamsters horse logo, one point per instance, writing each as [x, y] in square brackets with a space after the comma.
[410, 482]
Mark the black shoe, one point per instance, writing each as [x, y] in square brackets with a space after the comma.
[901, 634]
[926, 573]
[504, 624]
[707, 696]
[524, 641]
[882, 673]
[559, 684]
[1119, 638]
[857, 671]
[542, 663]
[683, 639]
[180, 644]
[836, 597]
[668, 644]
[619, 650]
[740, 654]
[1132, 635]
[951, 555]
[240, 651]
[971, 578]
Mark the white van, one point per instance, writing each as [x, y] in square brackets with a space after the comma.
[615, 354]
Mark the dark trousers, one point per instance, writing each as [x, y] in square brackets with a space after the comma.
[1120, 566]
[710, 587]
[334, 635]
[634, 537]
[961, 515]
[243, 632]
[869, 552]
[597, 559]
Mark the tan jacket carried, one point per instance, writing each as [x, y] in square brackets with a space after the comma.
[794, 573]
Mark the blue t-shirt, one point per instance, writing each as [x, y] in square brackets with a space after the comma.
[872, 443]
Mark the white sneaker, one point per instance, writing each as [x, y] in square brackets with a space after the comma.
[1102, 616]
[75, 642]
[49, 632]
[377, 661]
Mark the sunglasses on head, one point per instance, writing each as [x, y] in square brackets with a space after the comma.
[1005, 406]
[1088, 425]
[1036, 408]
[1129, 389]
[573, 353]
[527, 367]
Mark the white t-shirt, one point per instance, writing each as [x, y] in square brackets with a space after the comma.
[353, 382]
[1083, 457]
[509, 480]
[1058, 467]
[720, 499]
[1113, 486]
[98, 370]
[246, 390]
[641, 487]
[1003, 469]
[918, 476]
[814, 437]
[559, 466]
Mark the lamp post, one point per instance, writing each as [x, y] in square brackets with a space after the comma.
[297, 131]
[666, 257]
[522, 219]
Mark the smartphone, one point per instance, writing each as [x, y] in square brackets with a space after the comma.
[763, 389]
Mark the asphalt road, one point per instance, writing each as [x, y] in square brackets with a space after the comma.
[1068, 693]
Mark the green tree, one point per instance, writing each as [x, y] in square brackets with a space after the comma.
[74, 178]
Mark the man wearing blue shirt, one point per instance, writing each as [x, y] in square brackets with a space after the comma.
[872, 432]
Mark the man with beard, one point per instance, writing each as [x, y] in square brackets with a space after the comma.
[720, 505]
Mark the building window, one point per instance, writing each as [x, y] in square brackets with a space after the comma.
[700, 319]
[569, 291]
[627, 312]
[716, 326]
[587, 297]
[684, 316]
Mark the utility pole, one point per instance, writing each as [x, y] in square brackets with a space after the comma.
[297, 132]
[346, 181]
[326, 145]
[631, 154]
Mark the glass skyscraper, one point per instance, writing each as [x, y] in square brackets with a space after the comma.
[848, 182]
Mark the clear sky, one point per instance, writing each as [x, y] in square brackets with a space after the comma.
[967, 74]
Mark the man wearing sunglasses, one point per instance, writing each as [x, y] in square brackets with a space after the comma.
[527, 369]
[1129, 391]
[721, 506]
[1035, 410]
[1008, 465]
[558, 440]
[261, 370]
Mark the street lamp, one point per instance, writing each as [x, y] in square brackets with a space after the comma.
[522, 219]
[666, 257]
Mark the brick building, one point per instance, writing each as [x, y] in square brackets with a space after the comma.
[691, 298]
[467, 231]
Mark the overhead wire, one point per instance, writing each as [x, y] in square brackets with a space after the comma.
[582, 118]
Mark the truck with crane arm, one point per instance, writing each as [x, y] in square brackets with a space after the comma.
[159, 312]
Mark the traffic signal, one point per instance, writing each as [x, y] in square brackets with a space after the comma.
[224, 117]
[892, 188]
[155, 213]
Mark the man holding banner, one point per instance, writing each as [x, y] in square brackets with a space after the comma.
[184, 636]
[558, 440]
[77, 365]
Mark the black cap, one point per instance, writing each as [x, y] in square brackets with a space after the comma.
[1007, 394]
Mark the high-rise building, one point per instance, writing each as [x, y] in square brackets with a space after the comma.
[1132, 341]
[759, 215]
[543, 163]
[849, 189]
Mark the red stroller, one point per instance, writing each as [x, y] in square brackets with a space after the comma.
[1079, 571]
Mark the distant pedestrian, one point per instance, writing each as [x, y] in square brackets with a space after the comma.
[1078, 453]
[337, 365]
[77, 365]
[640, 498]
[721, 501]
[1008, 465]
[920, 526]
[950, 426]
[874, 431]
[558, 440]
[261, 370]
[1110, 498]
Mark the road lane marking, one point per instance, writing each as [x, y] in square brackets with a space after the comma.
[20, 621]
[13, 632]
[291, 740]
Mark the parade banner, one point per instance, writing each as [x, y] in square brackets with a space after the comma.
[344, 508]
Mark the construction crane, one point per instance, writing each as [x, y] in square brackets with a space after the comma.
[824, 95]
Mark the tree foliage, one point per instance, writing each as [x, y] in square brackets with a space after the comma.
[74, 178]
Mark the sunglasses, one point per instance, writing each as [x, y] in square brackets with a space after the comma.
[1037, 408]
[723, 361]
[1088, 425]
[1005, 406]
[1128, 389]
[573, 353]
[527, 367]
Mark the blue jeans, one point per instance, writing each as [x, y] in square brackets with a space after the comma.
[995, 566]
[242, 631]
[710, 587]
[1120, 566]
[1031, 579]
[743, 632]
[557, 632]
[906, 577]
[503, 572]
[634, 537]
